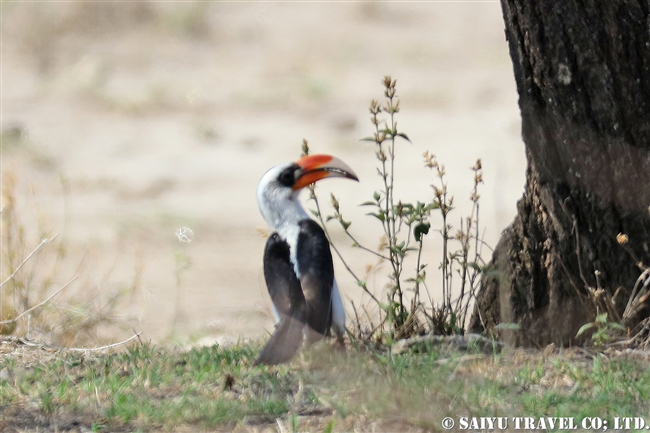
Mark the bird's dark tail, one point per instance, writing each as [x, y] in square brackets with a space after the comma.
[289, 336]
[284, 343]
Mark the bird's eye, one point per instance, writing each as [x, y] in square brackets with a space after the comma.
[288, 176]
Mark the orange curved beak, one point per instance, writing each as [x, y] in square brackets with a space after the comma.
[317, 167]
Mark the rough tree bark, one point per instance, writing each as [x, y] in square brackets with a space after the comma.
[582, 69]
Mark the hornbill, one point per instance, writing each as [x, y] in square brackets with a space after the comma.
[298, 267]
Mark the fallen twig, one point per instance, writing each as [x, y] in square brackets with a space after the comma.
[108, 346]
[41, 345]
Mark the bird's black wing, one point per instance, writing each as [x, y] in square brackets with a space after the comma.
[289, 301]
[316, 275]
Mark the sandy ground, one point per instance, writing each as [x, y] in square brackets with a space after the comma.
[125, 122]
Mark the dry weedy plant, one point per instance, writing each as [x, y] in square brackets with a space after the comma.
[35, 303]
[407, 306]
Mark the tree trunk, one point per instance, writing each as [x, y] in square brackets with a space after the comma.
[582, 69]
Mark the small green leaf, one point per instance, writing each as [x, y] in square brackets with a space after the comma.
[384, 306]
[584, 328]
[602, 318]
[401, 134]
[368, 203]
[420, 230]
[433, 206]
[617, 326]
[380, 216]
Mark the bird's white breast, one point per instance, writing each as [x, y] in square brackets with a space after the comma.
[289, 233]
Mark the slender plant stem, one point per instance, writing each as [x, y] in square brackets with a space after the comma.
[43, 242]
[319, 215]
[40, 304]
[358, 245]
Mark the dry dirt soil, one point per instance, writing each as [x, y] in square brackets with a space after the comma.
[124, 122]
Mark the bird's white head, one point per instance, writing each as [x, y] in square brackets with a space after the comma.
[278, 190]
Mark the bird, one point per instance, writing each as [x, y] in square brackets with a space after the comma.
[298, 267]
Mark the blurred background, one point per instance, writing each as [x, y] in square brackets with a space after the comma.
[124, 122]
